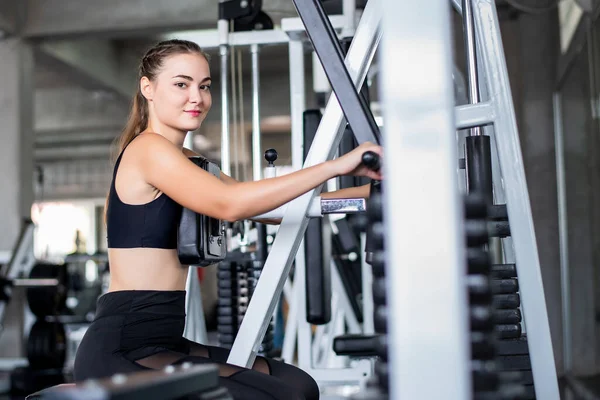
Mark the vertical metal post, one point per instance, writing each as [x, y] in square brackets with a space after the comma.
[418, 151]
[349, 9]
[297, 101]
[298, 105]
[471, 50]
[223, 26]
[256, 134]
[368, 307]
[565, 275]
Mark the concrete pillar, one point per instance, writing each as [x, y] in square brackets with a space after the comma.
[539, 51]
[16, 151]
[16, 166]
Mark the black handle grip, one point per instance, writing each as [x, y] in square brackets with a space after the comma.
[371, 160]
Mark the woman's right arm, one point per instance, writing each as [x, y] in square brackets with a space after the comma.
[166, 168]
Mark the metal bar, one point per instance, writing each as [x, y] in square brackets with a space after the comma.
[293, 226]
[368, 307]
[224, 53]
[328, 49]
[501, 250]
[210, 38]
[297, 101]
[305, 359]
[295, 28]
[291, 327]
[349, 9]
[320, 207]
[29, 282]
[471, 115]
[304, 331]
[298, 105]
[471, 52]
[252, 38]
[419, 150]
[256, 139]
[565, 274]
[518, 204]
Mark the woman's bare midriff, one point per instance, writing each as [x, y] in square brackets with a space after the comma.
[146, 269]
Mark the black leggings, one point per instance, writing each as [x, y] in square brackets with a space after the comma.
[140, 330]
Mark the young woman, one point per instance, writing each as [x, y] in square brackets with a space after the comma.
[140, 320]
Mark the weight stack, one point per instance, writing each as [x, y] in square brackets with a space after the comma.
[512, 348]
[378, 387]
[485, 283]
[237, 279]
[46, 345]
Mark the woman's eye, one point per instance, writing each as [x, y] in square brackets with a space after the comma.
[205, 87]
[181, 84]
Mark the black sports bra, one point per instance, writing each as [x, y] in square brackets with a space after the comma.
[152, 225]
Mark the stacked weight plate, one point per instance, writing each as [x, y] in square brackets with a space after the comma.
[233, 297]
[512, 348]
[378, 387]
[481, 310]
[494, 313]
[376, 233]
[237, 279]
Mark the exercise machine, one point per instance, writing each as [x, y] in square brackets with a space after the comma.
[420, 124]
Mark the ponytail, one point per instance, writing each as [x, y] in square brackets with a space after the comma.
[136, 123]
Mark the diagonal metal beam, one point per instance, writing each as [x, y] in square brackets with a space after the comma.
[92, 63]
[328, 49]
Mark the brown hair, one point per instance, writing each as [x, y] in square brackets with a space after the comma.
[149, 67]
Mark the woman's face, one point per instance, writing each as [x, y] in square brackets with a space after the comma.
[180, 96]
